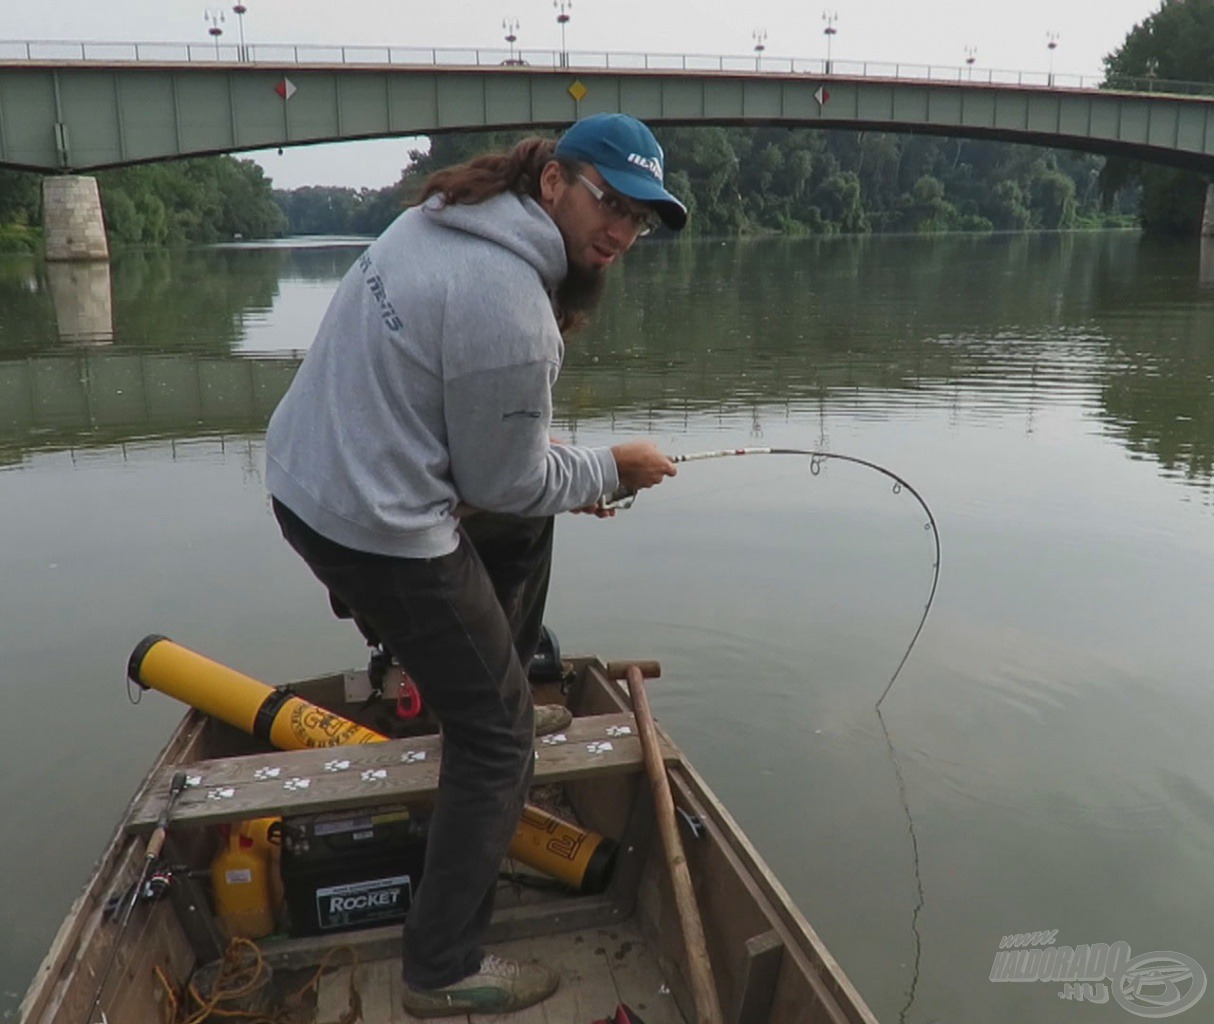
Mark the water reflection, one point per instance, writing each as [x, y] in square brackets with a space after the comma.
[84, 310]
[98, 398]
[1005, 377]
[985, 327]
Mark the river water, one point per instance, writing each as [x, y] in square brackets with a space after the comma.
[1050, 397]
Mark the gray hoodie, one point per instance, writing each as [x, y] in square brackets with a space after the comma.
[430, 384]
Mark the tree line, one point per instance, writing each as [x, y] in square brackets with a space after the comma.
[734, 180]
[182, 202]
[774, 180]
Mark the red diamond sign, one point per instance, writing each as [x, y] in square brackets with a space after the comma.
[285, 88]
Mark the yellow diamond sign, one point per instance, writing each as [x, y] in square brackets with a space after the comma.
[578, 91]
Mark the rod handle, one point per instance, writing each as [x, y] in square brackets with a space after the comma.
[156, 843]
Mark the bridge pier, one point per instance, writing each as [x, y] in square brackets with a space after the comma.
[1207, 222]
[72, 225]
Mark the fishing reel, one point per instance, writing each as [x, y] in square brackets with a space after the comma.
[546, 664]
[155, 887]
[624, 497]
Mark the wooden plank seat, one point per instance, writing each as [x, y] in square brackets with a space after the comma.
[396, 771]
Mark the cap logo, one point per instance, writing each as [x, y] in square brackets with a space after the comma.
[651, 163]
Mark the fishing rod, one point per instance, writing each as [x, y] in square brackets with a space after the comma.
[817, 457]
[155, 845]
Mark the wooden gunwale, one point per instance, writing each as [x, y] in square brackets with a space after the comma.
[838, 995]
[79, 939]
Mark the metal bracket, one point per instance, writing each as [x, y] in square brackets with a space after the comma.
[693, 822]
[62, 149]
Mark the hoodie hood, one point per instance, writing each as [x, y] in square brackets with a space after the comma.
[514, 222]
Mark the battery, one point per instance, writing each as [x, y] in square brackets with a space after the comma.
[347, 870]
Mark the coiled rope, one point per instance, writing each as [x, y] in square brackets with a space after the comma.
[242, 973]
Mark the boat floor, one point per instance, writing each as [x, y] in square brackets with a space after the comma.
[599, 968]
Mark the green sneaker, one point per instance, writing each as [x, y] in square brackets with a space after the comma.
[550, 718]
[500, 986]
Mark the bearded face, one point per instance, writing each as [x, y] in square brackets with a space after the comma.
[579, 294]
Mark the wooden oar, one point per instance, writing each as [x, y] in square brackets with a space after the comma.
[703, 988]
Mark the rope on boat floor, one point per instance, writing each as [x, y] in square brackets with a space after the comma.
[242, 976]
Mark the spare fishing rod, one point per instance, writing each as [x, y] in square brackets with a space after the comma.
[155, 845]
[816, 458]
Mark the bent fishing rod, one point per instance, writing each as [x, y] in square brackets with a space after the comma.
[817, 457]
[155, 845]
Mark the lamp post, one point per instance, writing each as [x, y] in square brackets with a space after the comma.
[511, 27]
[239, 10]
[759, 35]
[971, 52]
[562, 18]
[830, 17]
[1051, 42]
[214, 17]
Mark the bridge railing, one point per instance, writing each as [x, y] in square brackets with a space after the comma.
[311, 55]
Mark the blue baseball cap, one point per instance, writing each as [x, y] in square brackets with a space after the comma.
[628, 157]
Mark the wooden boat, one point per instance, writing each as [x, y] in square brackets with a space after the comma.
[622, 945]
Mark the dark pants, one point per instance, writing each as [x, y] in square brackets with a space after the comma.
[464, 626]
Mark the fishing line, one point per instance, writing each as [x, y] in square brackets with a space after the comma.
[817, 457]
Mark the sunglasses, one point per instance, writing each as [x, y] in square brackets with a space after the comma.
[643, 221]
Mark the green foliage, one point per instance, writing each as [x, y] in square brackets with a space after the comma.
[204, 200]
[827, 182]
[749, 181]
[1173, 202]
[1176, 43]
[20, 197]
[18, 238]
[322, 210]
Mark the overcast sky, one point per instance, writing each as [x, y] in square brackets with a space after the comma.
[1005, 35]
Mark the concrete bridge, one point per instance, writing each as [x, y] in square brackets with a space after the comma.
[121, 104]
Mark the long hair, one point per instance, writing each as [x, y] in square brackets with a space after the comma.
[517, 171]
[491, 174]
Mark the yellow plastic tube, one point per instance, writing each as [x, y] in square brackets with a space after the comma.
[277, 716]
[581, 859]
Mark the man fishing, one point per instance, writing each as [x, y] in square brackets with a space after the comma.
[411, 467]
